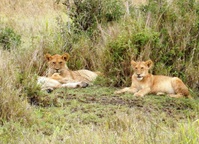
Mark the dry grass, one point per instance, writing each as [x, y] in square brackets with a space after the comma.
[79, 118]
[32, 19]
[12, 107]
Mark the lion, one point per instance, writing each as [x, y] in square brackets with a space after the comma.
[144, 83]
[57, 81]
[57, 64]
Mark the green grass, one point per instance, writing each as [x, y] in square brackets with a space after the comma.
[96, 115]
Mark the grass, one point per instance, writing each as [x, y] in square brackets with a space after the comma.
[96, 115]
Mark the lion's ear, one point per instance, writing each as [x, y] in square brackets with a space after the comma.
[149, 64]
[48, 57]
[65, 56]
[133, 63]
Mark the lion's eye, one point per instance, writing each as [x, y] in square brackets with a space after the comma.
[54, 62]
[60, 62]
[136, 67]
[142, 68]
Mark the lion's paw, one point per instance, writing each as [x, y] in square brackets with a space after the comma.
[118, 92]
[138, 94]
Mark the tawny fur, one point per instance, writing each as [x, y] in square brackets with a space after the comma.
[57, 64]
[144, 83]
[56, 81]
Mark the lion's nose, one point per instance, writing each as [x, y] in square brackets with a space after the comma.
[57, 70]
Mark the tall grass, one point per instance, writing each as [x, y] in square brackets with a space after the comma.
[166, 32]
[12, 106]
[35, 22]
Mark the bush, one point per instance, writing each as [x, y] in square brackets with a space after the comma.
[88, 13]
[9, 39]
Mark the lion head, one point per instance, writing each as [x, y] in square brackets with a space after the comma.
[56, 76]
[141, 69]
[57, 63]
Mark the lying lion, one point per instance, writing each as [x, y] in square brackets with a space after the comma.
[57, 64]
[144, 83]
[56, 81]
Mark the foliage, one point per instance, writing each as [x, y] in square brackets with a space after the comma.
[12, 106]
[88, 13]
[100, 37]
[9, 39]
[29, 88]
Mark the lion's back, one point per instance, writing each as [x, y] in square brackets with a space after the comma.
[86, 74]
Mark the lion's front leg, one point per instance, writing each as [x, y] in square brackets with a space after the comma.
[75, 85]
[126, 89]
[142, 92]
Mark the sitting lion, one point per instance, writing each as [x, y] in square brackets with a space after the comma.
[57, 64]
[144, 83]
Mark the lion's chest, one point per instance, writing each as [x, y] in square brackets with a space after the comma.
[142, 84]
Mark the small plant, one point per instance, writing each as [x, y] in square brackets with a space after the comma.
[32, 91]
[9, 39]
[12, 106]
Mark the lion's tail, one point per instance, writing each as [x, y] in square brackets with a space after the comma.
[189, 96]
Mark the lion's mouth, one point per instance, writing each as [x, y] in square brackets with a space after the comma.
[139, 77]
[57, 70]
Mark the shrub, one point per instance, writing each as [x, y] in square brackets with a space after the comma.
[88, 13]
[9, 39]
